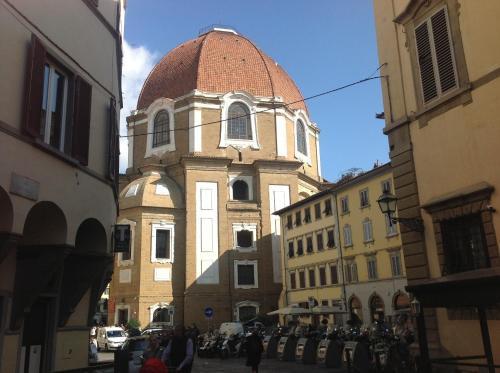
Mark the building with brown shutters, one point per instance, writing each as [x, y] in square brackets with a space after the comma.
[220, 140]
[441, 96]
[58, 149]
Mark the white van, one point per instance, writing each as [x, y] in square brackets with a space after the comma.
[110, 337]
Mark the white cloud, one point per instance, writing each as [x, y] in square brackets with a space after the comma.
[138, 61]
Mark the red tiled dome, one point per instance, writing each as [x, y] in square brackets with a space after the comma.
[218, 62]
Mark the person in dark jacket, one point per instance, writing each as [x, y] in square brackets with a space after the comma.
[179, 352]
[254, 350]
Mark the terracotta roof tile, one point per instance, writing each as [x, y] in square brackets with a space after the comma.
[218, 62]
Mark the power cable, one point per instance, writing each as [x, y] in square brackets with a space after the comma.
[266, 110]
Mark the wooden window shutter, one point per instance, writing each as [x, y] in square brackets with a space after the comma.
[424, 52]
[443, 50]
[113, 150]
[34, 87]
[81, 126]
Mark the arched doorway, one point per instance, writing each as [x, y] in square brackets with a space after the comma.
[162, 312]
[356, 308]
[161, 315]
[82, 270]
[91, 237]
[7, 212]
[377, 309]
[40, 258]
[44, 225]
[246, 310]
[401, 302]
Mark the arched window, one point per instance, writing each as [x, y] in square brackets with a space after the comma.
[240, 190]
[356, 308]
[377, 308]
[401, 301]
[239, 126]
[161, 129]
[161, 315]
[301, 138]
[246, 310]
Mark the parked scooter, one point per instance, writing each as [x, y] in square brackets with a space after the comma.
[231, 346]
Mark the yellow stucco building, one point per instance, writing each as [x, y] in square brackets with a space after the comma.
[441, 96]
[340, 250]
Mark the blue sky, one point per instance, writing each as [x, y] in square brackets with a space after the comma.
[322, 44]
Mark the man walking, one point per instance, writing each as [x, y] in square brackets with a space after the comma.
[179, 352]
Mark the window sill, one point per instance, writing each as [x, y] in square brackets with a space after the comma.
[392, 235]
[56, 152]
[242, 205]
[364, 207]
[246, 287]
[245, 249]
[369, 242]
[348, 246]
[433, 105]
[125, 263]
[162, 261]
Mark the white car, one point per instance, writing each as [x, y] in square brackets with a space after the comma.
[110, 338]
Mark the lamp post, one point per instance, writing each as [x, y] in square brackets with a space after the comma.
[388, 203]
[416, 309]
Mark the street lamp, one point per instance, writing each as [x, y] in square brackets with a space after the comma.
[415, 306]
[388, 203]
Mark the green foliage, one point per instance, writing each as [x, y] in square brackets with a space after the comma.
[133, 324]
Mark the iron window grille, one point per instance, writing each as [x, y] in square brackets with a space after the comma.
[464, 244]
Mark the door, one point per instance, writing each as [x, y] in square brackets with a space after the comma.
[35, 352]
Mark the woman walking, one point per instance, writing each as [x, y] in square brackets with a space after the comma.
[254, 350]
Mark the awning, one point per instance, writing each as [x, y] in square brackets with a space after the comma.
[327, 310]
[290, 310]
[81, 270]
[471, 288]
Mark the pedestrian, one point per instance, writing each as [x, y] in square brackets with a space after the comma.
[179, 352]
[254, 348]
[154, 365]
[153, 350]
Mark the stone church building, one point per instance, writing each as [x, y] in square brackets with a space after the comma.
[220, 140]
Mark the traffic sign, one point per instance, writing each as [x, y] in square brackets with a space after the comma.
[209, 312]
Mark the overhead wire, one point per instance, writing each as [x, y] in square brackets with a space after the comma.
[279, 106]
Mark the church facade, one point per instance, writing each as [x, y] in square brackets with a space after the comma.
[220, 140]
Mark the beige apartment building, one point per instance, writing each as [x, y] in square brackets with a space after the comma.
[60, 83]
[340, 250]
[441, 96]
[213, 152]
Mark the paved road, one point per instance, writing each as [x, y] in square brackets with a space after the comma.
[267, 366]
[217, 365]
